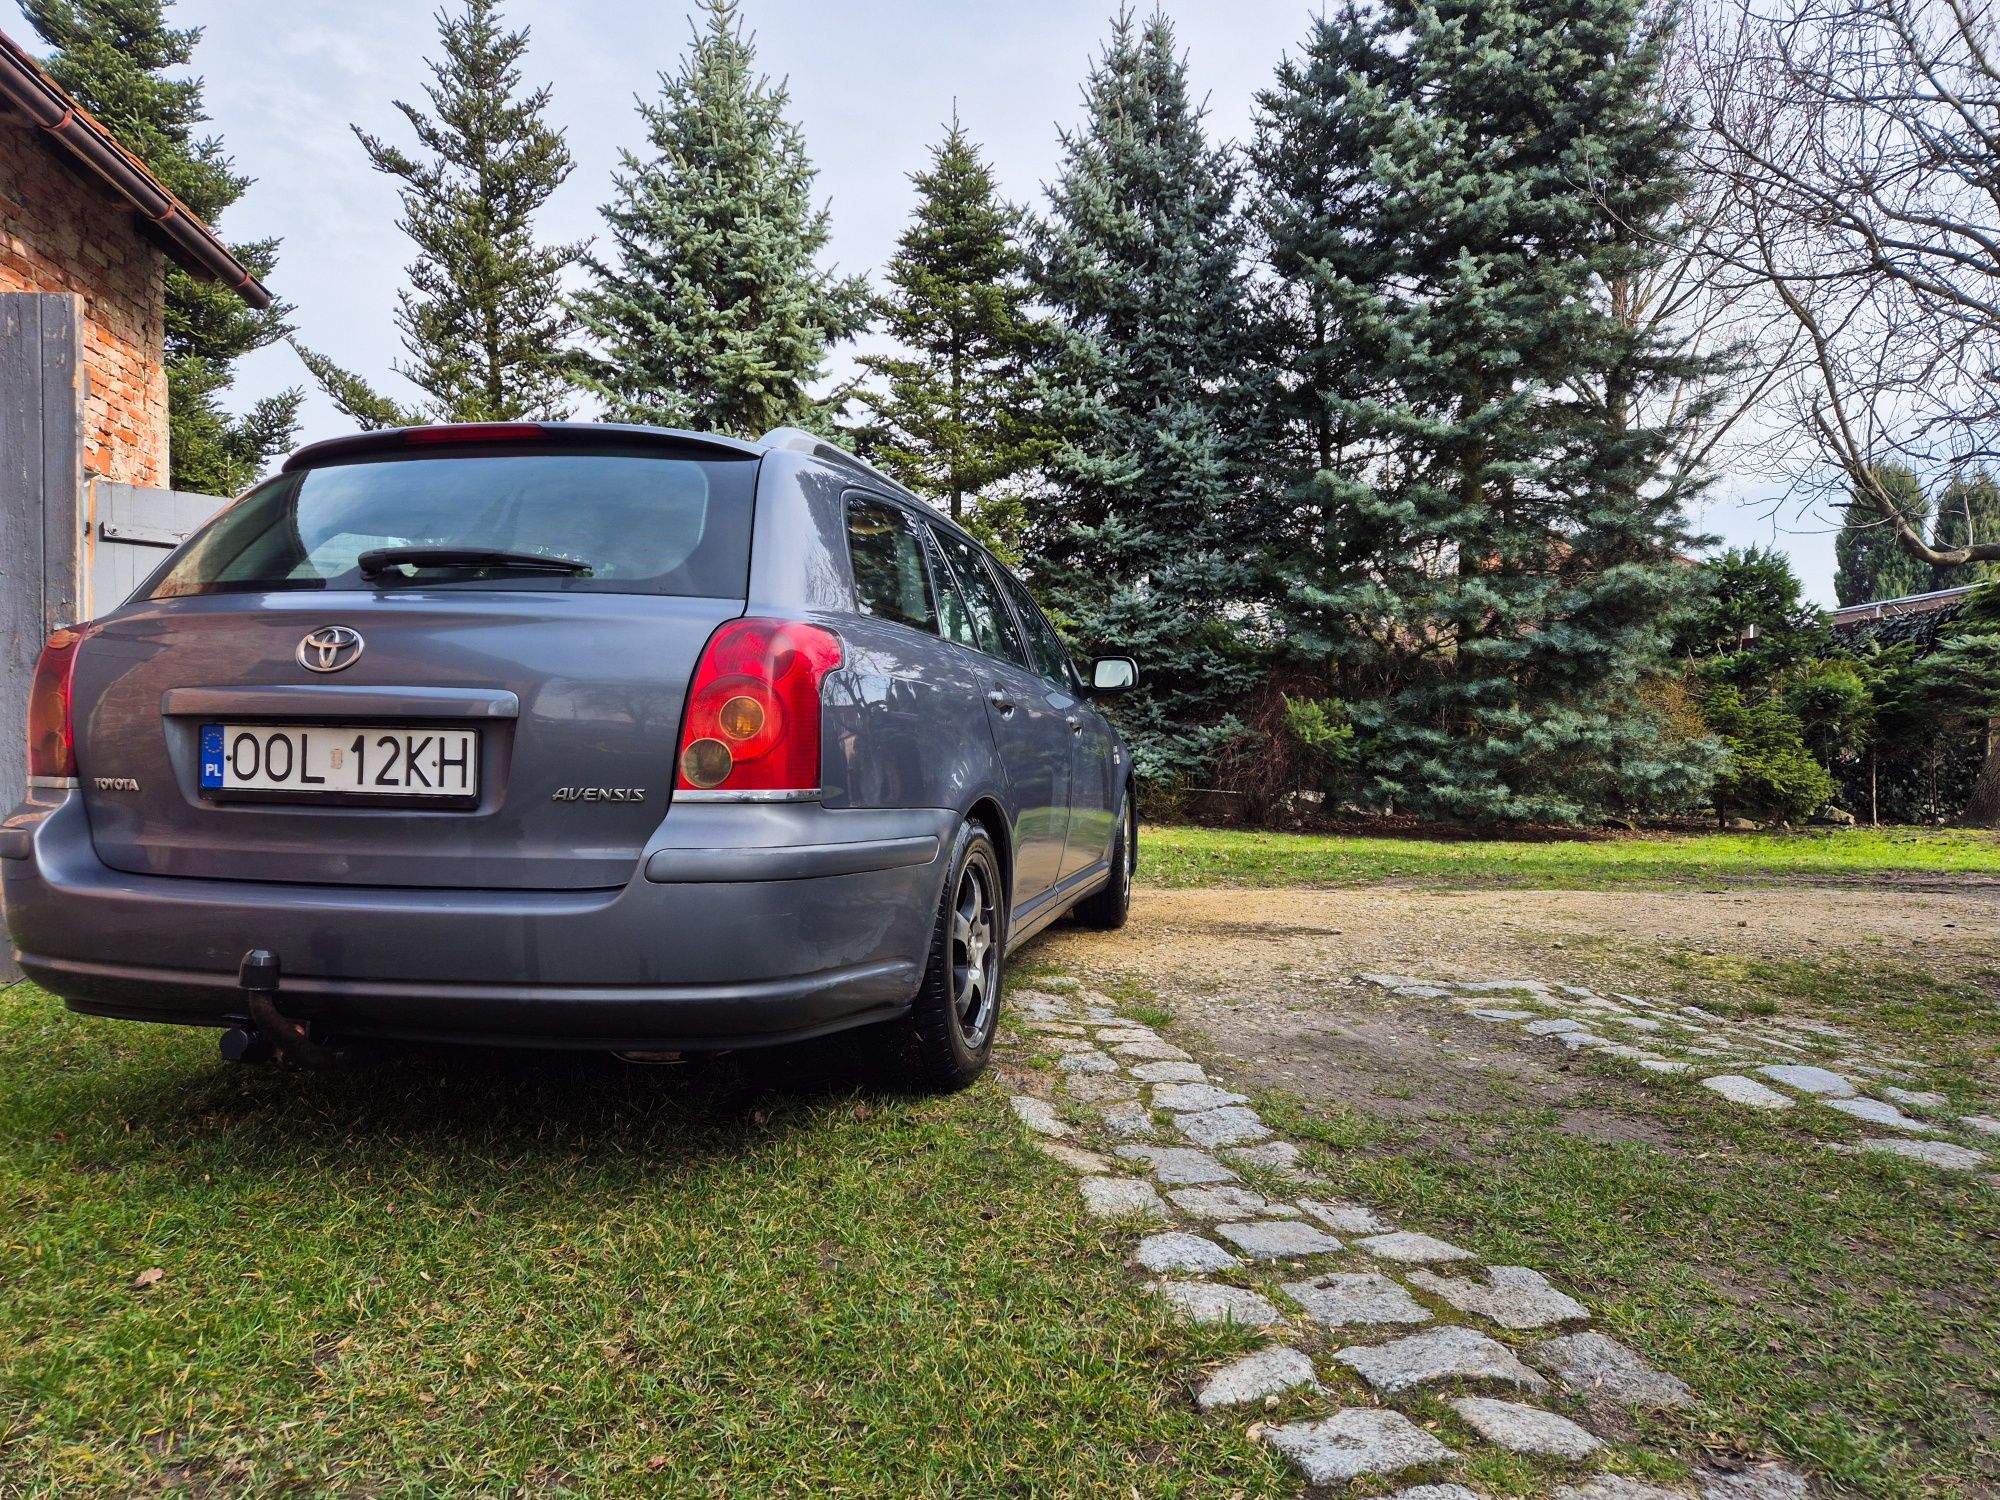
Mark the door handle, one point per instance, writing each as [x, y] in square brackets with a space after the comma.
[1075, 725]
[1001, 701]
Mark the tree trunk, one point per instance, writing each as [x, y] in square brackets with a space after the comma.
[1874, 802]
[1982, 809]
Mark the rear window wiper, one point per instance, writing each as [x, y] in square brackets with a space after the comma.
[378, 560]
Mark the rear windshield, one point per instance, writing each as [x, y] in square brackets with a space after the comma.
[639, 524]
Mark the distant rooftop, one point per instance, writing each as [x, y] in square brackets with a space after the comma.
[1897, 609]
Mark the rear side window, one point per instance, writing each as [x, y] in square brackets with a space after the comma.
[638, 523]
[985, 623]
[891, 580]
[1051, 655]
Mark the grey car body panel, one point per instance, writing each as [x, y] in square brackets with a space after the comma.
[591, 924]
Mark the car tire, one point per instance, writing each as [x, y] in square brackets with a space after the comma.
[957, 1007]
[1107, 907]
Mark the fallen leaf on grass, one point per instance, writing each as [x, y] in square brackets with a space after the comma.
[146, 1278]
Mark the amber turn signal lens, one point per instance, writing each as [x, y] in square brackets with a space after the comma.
[706, 763]
[741, 718]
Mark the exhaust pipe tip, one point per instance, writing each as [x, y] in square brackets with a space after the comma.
[245, 1044]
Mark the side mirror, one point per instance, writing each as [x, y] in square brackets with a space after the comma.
[1113, 674]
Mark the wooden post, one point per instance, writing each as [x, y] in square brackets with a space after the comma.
[41, 473]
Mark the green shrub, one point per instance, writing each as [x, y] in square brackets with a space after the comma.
[1770, 772]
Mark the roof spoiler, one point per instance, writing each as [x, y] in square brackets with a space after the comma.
[434, 438]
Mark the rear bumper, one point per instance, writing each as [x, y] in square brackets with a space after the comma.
[742, 925]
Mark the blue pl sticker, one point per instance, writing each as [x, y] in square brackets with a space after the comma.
[211, 755]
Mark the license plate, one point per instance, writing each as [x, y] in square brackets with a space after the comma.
[339, 760]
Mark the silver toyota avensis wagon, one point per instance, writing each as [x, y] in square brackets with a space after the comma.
[571, 736]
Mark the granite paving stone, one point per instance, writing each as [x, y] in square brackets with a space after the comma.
[1357, 1299]
[1765, 1481]
[1412, 1248]
[1128, 1119]
[1121, 1198]
[1449, 1353]
[1179, 1166]
[1203, 1302]
[1915, 1098]
[1231, 1125]
[1932, 1153]
[1169, 1072]
[1810, 1080]
[1099, 1088]
[1347, 1218]
[1038, 1115]
[1553, 1027]
[1353, 1442]
[1487, 1013]
[1074, 1159]
[1525, 1429]
[1436, 1492]
[1280, 1156]
[1594, 1363]
[1875, 1112]
[1512, 1296]
[1224, 1203]
[1268, 1372]
[1178, 1250]
[1067, 1046]
[1184, 1097]
[1092, 1061]
[1984, 1124]
[1740, 1090]
[1613, 1487]
[1151, 1051]
[1278, 1239]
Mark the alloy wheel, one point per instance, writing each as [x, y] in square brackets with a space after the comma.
[975, 952]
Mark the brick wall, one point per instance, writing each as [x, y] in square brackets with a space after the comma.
[59, 233]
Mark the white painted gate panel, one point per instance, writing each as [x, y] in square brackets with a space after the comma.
[128, 532]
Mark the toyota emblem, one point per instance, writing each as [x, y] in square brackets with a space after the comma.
[331, 648]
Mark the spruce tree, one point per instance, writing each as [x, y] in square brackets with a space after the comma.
[482, 319]
[713, 312]
[119, 60]
[1869, 562]
[1144, 539]
[952, 417]
[1968, 511]
[1489, 555]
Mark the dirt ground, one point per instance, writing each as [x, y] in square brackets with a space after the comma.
[1268, 974]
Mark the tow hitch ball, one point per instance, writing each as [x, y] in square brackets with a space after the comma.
[269, 1033]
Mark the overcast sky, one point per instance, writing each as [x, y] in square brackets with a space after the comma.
[872, 82]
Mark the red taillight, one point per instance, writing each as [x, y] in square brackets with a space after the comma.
[51, 735]
[752, 720]
[477, 432]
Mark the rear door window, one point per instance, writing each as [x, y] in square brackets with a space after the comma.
[637, 522]
[891, 578]
[1051, 655]
[987, 625]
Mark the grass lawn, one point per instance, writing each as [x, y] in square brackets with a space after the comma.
[1177, 855]
[498, 1274]
[1841, 1311]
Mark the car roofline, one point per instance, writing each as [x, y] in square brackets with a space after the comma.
[398, 440]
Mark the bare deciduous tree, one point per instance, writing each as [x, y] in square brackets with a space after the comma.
[1858, 142]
